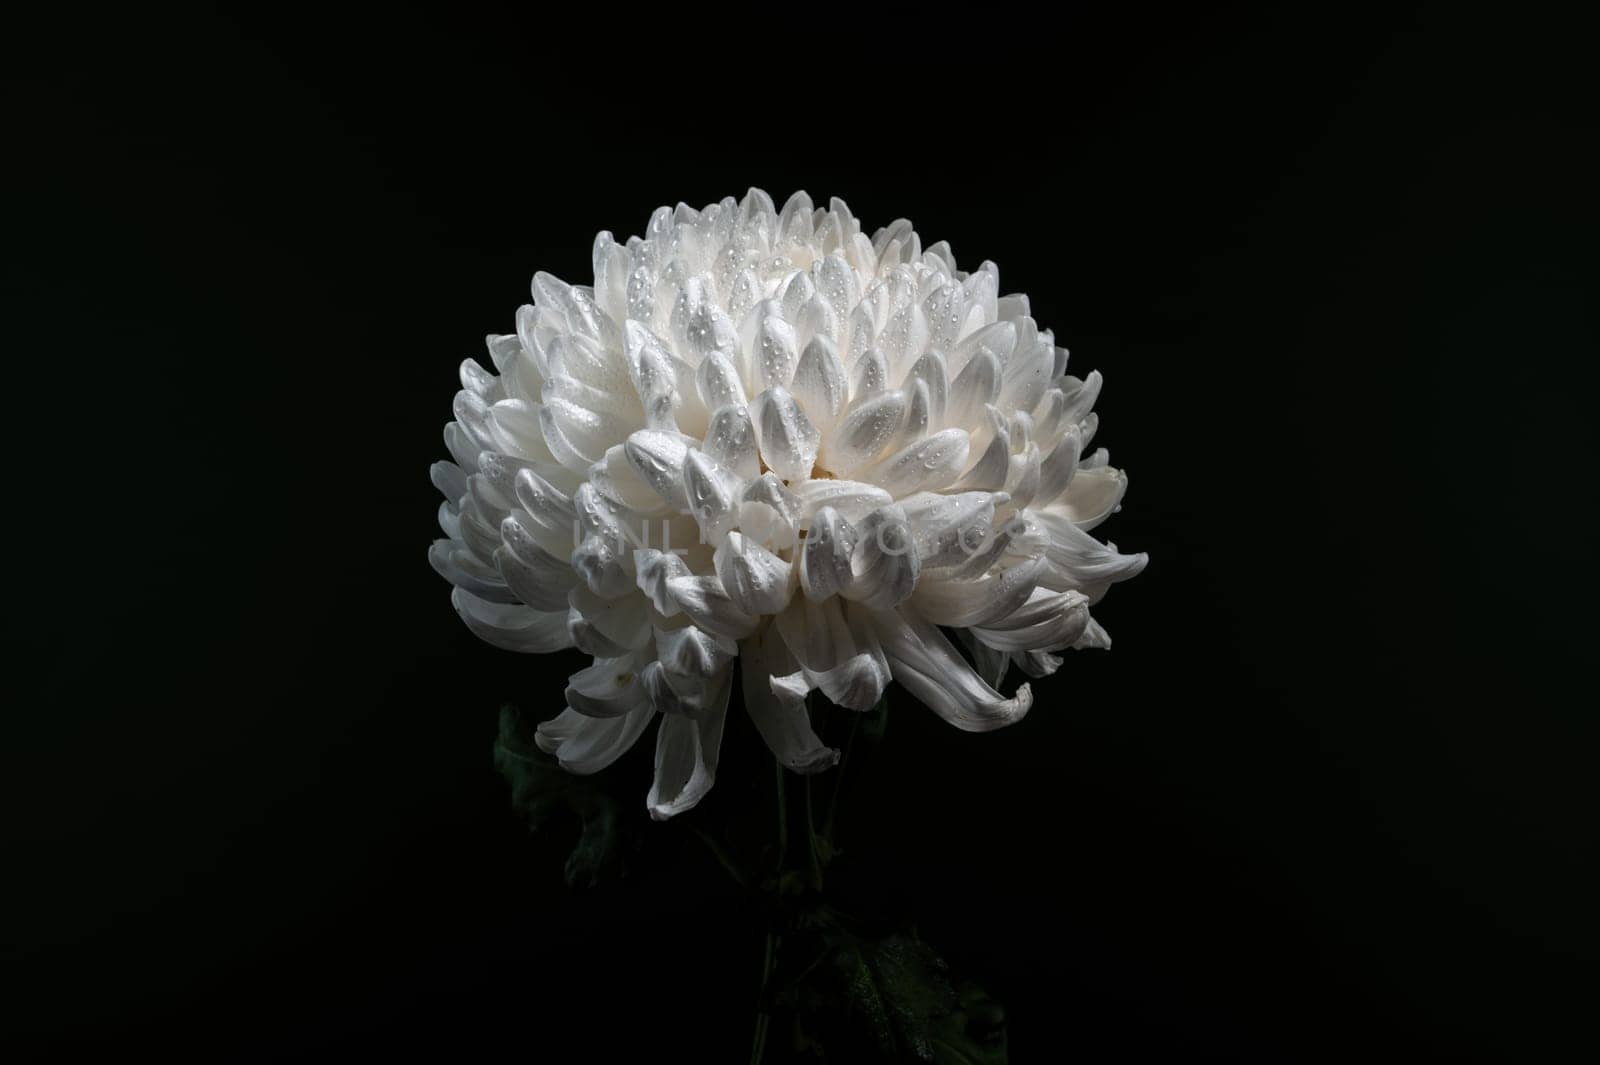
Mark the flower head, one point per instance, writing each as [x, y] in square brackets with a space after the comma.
[763, 436]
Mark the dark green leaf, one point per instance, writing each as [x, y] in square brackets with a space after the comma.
[901, 1004]
[542, 790]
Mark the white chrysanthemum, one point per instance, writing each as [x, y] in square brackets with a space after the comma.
[763, 436]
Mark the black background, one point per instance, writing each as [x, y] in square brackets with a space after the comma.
[1330, 794]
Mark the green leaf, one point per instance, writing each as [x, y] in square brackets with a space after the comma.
[903, 1005]
[866, 999]
[542, 791]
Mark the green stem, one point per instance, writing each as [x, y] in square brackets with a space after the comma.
[720, 853]
[814, 857]
[783, 814]
[838, 784]
[813, 854]
[758, 1049]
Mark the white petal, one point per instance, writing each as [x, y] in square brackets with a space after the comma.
[512, 628]
[935, 673]
[744, 292]
[1049, 421]
[1027, 375]
[758, 581]
[1092, 496]
[608, 687]
[500, 471]
[785, 511]
[584, 745]
[794, 221]
[666, 698]
[527, 335]
[1026, 537]
[686, 756]
[1086, 430]
[819, 384]
[477, 535]
[779, 712]
[837, 651]
[1080, 561]
[598, 561]
[825, 558]
[999, 550]
[537, 577]
[774, 355]
[515, 428]
[450, 520]
[590, 414]
[869, 376]
[512, 363]
[951, 528]
[1037, 663]
[1049, 621]
[731, 442]
[1057, 469]
[460, 567]
[620, 481]
[853, 500]
[975, 387]
[698, 325]
[788, 439]
[450, 480]
[982, 289]
[941, 257]
[989, 663]
[1094, 637]
[837, 283]
[581, 359]
[718, 382]
[688, 652]
[999, 340]
[1081, 395]
[796, 294]
[485, 500]
[712, 496]
[1022, 479]
[928, 465]
[864, 432]
[564, 450]
[816, 322]
[918, 421]
[650, 364]
[906, 334]
[929, 370]
[658, 458]
[763, 525]
[472, 417]
[463, 449]
[709, 606]
[611, 266]
[607, 627]
[653, 569]
[990, 598]
[884, 566]
[550, 507]
[946, 306]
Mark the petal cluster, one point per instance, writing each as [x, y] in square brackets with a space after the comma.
[763, 436]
